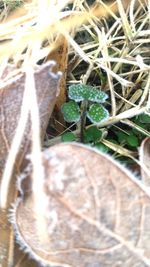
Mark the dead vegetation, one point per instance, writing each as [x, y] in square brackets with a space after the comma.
[106, 45]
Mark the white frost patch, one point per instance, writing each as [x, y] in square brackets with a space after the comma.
[53, 220]
[74, 227]
[85, 207]
[58, 175]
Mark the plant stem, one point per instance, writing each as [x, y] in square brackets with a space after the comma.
[84, 106]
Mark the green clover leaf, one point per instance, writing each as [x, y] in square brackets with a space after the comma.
[71, 111]
[92, 134]
[82, 92]
[97, 113]
[68, 137]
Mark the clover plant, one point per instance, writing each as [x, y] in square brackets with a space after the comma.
[85, 102]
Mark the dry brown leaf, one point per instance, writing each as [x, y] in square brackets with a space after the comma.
[60, 56]
[11, 95]
[145, 161]
[97, 215]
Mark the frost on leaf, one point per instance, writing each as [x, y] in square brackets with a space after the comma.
[82, 92]
[97, 113]
[99, 216]
[71, 111]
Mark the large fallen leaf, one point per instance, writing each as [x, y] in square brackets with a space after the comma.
[11, 95]
[97, 214]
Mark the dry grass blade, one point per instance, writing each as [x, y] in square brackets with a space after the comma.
[65, 22]
[126, 25]
[119, 149]
[6, 235]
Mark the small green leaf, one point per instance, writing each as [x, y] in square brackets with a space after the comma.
[97, 113]
[133, 141]
[122, 137]
[102, 147]
[68, 137]
[144, 118]
[71, 111]
[92, 134]
[82, 92]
